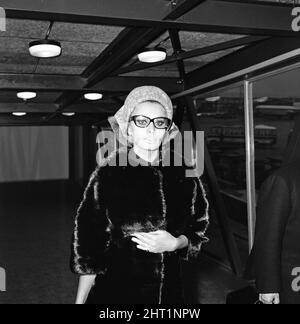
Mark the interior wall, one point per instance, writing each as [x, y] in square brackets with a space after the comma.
[34, 153]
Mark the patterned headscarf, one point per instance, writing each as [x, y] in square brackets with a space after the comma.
[120, 121]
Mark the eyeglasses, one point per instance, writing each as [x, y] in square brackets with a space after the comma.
[144, 121]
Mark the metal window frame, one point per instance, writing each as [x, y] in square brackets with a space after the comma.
[248, 83]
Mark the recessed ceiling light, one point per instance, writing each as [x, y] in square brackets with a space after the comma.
[45, 48]
[152, 55]
[19, 113]
[93, 96]
[25, 95]
[68, 114]
[213, 99]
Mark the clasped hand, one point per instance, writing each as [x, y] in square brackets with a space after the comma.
[155, 242]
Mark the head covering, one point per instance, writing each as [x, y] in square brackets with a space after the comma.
[120, 121]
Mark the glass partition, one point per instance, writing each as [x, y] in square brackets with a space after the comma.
[222, 117]
[276, 104]
[275, 107]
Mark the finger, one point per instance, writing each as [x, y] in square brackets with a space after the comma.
[144, 238]
[266, 302]
[142, 247]
[148, 234]
[155, 233]
[277, 300]
[138, 241]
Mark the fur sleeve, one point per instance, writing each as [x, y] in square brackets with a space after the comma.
[197, 218]
[91, 235]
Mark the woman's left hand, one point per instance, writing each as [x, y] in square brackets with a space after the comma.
[155, 242]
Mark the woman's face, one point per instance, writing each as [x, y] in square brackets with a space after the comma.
[148, 138]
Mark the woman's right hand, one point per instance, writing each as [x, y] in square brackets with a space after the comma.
[269, 298]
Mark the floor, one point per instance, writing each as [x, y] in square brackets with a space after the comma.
[35, 243]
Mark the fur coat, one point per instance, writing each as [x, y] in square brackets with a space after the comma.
[121, 200]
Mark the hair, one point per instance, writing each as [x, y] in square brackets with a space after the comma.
[150, 101]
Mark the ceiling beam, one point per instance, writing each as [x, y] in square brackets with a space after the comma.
[7, 120]
[57, 83]
[176, 44]
[127, 44]
[83, 108]
[242, 41]
[44, 82]
[218, 16]
[127, 83]
[250, 60]
[249, 18]
[113, 12]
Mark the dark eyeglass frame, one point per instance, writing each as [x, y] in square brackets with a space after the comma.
[133, 118]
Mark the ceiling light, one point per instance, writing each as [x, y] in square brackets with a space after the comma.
[93, 96]
[213, 99]
[262, 99]
[45, 48]
[19, 114]
[152, 55]
[26, 95]
[68, 114]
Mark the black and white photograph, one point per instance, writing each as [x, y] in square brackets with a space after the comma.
[150, 154]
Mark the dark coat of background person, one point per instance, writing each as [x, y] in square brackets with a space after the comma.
[276, 251]
[121, 200]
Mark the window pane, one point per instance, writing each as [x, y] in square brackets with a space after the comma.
[221, 114]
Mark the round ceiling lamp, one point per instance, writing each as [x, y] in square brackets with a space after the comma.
[19, 113]
[93, 96]
[68, 114]
[26, 95]
[152, 55]
[45, 48]
[262, 99]
[213, 99]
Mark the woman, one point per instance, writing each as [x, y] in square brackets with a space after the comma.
[137, 221]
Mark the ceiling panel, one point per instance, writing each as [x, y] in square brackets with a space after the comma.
[14, 55]
[75, 58]
[194, 40]
[25, 28]
[197, 62]
[60, 70]
[167, 70]
[163, 41]
[9, 46]
[84, 32]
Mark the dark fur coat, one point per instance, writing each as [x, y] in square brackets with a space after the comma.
[121, 200]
